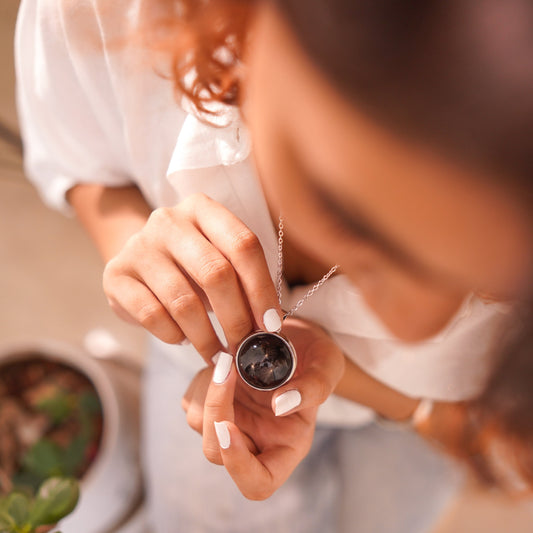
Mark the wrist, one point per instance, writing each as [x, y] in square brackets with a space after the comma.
[418, 416]
[402, 410]
[111, 215]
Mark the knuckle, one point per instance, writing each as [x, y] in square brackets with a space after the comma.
[212, 406]
[161, 215]
[150, 314]
[246, 243]
[136, 241]
[112, 270]
[184, 304]
[198, 198]
[134, 250]
[191, 202]
[162, 222]
[215, 272]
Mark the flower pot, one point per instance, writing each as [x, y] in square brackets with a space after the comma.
[111, 487]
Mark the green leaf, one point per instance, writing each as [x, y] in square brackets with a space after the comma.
[43, 459]
[89, 403]
[7, 524]
[74, 455]
[57, 497]
[18, 506]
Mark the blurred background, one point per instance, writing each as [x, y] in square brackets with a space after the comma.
[50, 283]
[50, 288]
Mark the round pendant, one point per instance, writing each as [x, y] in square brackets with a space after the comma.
[266, 361]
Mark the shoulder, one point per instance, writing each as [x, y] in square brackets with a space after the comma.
[82, 24]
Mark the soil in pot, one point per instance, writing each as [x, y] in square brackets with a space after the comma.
[50, 422]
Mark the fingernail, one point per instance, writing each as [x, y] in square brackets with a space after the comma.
[222, 367]
[271, 320]
[222, 431]
[287, 401]
[215, 357]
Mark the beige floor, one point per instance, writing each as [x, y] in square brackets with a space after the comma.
[50, 288]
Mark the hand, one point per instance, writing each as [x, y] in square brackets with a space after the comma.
[187, 259]
[263, 449]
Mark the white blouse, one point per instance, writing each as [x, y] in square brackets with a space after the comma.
[92, 111]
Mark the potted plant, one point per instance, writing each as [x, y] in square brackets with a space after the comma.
[65, 414]
[50, 422]
[55, 499]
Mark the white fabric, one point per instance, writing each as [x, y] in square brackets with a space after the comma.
[92, 111]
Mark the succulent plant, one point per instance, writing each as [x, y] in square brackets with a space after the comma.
[55, 499]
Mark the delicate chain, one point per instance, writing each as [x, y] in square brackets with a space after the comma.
[279, 281]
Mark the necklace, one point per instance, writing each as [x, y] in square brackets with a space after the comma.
[264, 360]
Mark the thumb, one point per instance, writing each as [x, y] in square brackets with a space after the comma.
[320, 371]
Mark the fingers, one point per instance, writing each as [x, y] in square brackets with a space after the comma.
[256, 476]
[321, 366]
[218, 405]
[242, 249]
[184, 257]
[193, 399]
[216, 277]
[134, 302]
[149, 303]
[257, 469]
[181, 301]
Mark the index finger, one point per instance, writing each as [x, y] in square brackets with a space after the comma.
[243, 250]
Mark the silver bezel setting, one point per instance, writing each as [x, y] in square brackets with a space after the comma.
[289, 345]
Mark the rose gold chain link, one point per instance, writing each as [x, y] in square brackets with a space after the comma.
[279, 280]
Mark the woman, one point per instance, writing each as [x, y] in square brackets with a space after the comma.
[371, 136]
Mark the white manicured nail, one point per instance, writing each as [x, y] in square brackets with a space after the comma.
[223, 367]
[222, 431]
[271, 320]
[287, 401]
[215, 357]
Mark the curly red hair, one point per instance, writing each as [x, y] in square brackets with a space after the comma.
[203, 42]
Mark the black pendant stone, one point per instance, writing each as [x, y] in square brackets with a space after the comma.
[265, 360]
